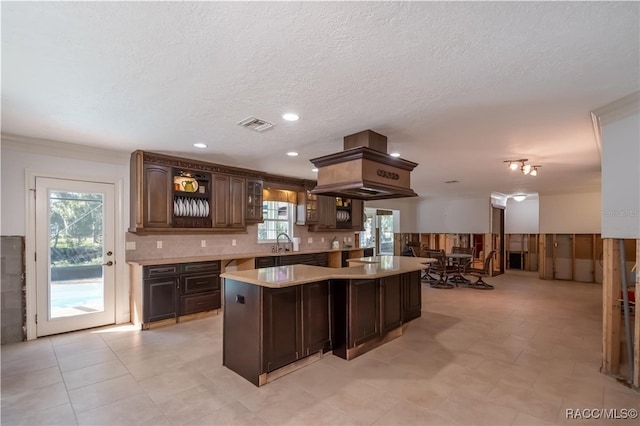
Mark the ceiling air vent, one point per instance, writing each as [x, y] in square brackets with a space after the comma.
[255, 124]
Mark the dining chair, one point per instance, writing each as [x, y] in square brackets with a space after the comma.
[441, 268]
[480, 284]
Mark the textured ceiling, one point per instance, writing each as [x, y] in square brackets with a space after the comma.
[457, 87]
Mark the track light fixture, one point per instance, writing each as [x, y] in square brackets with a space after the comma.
[526, 169]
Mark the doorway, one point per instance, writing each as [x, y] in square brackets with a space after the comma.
[378, 231]
[74, 242]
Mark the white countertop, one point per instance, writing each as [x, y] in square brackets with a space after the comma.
[286, 276]
[233, 256]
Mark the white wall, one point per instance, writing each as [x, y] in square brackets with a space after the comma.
[522, 217]
[577, 213]
[621, 178]
[454, 215]
[17, 157]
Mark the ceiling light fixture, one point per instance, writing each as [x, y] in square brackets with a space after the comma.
[519, 197]
[291, 116]
[314, 170]
[526, 169]
[292, 154]
[200, 145]
[395, 154]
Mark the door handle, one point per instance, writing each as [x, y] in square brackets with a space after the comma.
[109, 263]
[109, 253]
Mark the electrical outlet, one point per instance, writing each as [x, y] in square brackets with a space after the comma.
[310, 240]
[322, 239]
[233, 243]
[203, 243]
[130, 245]
[159, 244]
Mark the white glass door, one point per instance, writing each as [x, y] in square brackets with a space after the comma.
[75, 235]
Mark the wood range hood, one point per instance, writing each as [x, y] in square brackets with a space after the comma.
[364, 170]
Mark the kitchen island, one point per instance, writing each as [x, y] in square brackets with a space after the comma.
[281, 318]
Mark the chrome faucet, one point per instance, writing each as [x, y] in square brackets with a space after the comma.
[282, 234]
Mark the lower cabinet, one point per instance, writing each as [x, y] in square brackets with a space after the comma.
[314, 259]
[170, 291]
[364, 311]
[316, 319]
[411, 296]
[392, 302]
[282, 327]
[160, 299]
[268, 328]
[295, 323]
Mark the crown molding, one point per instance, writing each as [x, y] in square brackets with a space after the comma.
[63, 149]
[619, 109]
[612, 112]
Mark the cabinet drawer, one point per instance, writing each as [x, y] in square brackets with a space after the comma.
[191, 268]
[159, 271]
[199, 303]
[321, 259]
[200, 283]
[265, 262]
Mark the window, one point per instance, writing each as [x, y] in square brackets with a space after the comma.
[278, 217]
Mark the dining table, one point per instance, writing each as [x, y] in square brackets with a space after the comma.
[458, 260]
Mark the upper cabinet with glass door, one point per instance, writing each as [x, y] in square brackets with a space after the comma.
[253, 211]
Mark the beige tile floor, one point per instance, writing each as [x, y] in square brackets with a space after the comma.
[520, 355]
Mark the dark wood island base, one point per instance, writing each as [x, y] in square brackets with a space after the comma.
[272, 330]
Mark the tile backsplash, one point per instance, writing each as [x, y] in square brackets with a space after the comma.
[175, 246]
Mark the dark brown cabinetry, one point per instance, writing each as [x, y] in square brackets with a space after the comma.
[365, 312]
[200, 287]
[254, 201]
[268, 328]
[411, 296]
[265, 262]
[326, 212]
[314, 259]
[170, 291]
[156, 196]
[392, 302]
[364, 302]
[316, 320]
[357, 215]
[228, 201]
[160, 289]
[307, 213]
[282, 327]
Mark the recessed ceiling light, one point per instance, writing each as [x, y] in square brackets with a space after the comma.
[395, 154]
[200, 145]
[314, 170]
[291, 116]
[292, 154]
